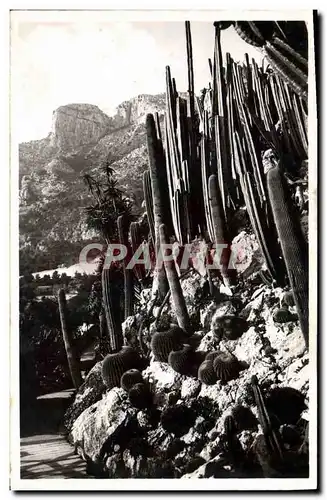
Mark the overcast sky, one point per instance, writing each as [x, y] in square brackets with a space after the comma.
[54, 64]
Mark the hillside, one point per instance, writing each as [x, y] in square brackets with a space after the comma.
[52, 192]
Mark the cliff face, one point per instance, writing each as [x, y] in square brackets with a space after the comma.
[52, 192]
[77, 125]
[135, 110]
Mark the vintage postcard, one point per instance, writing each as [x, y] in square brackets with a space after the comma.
[164, 299]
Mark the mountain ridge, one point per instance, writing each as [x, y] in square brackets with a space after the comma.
[51, 189]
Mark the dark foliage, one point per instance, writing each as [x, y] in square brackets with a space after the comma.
[109, 204]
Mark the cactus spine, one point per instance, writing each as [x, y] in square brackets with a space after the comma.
[112, 313]
[293, 245]
[174, 285]
[73, 362]
[128, 273]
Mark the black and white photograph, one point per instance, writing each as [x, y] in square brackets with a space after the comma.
[164, 246]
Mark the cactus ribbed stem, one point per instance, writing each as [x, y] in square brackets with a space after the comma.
[296, 56]
[245, 30]
[128, 273]
[219, 227]
[73, 362]
[111, 307]
[102, 325]
[283, 68]
[293, 245]
[136, 242]
[175, 286]
[147, 192]
[159, 194]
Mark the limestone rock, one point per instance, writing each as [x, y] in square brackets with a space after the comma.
[101, 428]
[247, 256]
[136, 109]
[58, 166]
[89, 393]
[162, 377]
[78, 124]
[190, 387]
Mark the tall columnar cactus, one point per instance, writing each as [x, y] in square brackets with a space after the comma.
[174, 285]
[220, 229]
[295, 77]
[286, 61]
[136, 242]
[128, 273]
[221, 133]
[102, 325]
[159, 194]
[147, 192]
[294, 248]
[73, 361]
[111, 305]
[271, 436]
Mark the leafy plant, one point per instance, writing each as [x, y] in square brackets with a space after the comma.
[109, 203]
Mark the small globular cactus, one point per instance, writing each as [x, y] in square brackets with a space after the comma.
[130, 378]
[283, 315]
[244, 418]
[177, 419]
[140, 396]
[286, 403]
[162, 343]
[206, 373]
[226, 366]
[181, 360]
[115, 365]
[212, 355]
[230, 327]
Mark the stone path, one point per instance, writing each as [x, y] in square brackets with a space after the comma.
[45, 453]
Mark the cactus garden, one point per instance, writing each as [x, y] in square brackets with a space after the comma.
[202, 347]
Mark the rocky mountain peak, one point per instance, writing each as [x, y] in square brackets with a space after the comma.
[75, 125]
[135, 110]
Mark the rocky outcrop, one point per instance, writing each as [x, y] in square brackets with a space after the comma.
[135, 110]
[77, 125]
[88, 394]
[52, 192]
[58, 167]
[184, 433]
[95, 432]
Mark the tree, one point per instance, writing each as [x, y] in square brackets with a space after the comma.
[109, 204]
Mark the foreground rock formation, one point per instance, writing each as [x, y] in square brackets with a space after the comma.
[183, 434]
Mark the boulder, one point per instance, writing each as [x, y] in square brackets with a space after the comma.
[105, 427]
[88, 393]
[247, 256]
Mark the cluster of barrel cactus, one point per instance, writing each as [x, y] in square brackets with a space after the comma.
[176, 347]
[123, 369]
[235, 146]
